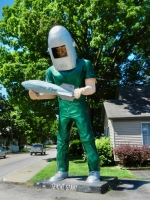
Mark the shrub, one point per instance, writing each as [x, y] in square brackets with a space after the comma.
[75, 148]
[25, 150]
[105, 151]
[132, 155]
[47, 145]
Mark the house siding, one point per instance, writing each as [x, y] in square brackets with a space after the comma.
[127, 132]
[111, 132]
[105, 125]
[108, 123]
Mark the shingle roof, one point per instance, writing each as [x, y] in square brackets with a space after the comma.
[135, 103]
[135, 92]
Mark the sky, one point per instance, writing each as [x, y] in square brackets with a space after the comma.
[3, 3]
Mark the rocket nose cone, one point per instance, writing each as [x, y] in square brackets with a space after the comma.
[24, 83]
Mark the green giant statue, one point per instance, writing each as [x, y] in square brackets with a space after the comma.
[79, 74]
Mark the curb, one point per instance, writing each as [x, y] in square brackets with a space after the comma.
[26, 173]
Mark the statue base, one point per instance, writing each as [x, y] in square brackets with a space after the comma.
[79, 184]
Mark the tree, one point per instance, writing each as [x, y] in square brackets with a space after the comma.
[114, 35]
[5, 109]
[53, 131]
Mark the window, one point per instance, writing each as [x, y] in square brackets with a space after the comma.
[146, 133]
[37, 145]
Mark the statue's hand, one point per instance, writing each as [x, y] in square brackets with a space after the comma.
[77, 93]
[33, 95]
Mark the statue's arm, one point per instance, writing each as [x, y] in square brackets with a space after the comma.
[87, 90]
[40, 96]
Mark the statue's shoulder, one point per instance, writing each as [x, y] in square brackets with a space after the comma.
[84, 62]
[87, 62]
[50, 69]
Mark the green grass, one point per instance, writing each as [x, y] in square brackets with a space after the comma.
[79, 167]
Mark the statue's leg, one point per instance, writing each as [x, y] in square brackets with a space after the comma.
[62, 143]
[83, 123]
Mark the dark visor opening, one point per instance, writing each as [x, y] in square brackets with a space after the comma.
[59, 52]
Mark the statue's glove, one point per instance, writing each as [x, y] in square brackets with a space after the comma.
[78, 92]
[87, 90]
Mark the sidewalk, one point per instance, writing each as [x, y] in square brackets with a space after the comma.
[72, 183]
[126, 189]
[141, 173]
[25, 174]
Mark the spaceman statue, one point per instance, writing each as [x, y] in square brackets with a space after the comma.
[77, 73]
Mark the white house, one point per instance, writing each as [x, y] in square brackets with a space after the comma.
[126, 119]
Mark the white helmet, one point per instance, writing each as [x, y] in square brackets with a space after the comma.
[58, 37]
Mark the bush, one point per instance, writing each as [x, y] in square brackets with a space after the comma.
[105, 151]
[25, 150]
[132, 155]
[75, 148]
[47, 145]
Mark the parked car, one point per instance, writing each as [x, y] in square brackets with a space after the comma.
[38, 148]
[2, 152]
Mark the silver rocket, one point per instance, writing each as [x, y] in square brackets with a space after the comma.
[64, 91]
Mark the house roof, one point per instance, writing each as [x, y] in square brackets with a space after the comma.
[134, 103]
[137, 93]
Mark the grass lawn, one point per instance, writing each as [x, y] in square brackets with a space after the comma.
[78, 167]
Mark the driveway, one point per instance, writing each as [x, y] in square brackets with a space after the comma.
[127, 190]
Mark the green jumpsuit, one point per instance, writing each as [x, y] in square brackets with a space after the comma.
[76, 111]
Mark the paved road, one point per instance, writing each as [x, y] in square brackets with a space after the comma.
[127, 190]
[15, 162]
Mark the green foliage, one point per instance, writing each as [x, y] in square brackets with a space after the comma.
[5, 109]
[47, 145]
[24, 150]
[74, 135]
[105, 151]
[53, 131]
[132, 155]
[76, 148]
[106, 32]
[80, 168]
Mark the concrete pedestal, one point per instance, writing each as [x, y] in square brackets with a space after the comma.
[79, 184]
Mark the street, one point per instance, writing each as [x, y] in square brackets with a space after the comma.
[126, 189]
[14, 162]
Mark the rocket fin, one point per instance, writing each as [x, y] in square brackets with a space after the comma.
[67, 87]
